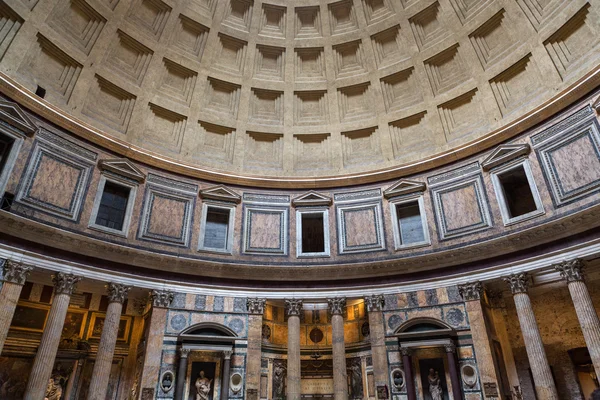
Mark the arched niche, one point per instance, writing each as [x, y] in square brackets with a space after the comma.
[424, 328]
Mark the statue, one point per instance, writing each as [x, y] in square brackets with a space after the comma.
[435, 386]
[356, 387]
[53, 390]
[202, 387]
[278, 382]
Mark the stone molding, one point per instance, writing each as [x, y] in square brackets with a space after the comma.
[117, 293]
[374, 302]
[337, 305]
[571, 270]
[15, 272]
[405, 351]
[161, 298]
[471, 291]
[450, 348]
[293, 307]
[65, 283]
[256, 306]
[518, 283]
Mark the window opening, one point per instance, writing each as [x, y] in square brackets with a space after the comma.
[217, 228]
[113, 206]
[313, 234]
[410, 223]
[517, 192]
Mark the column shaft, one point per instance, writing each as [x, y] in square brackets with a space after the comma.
[255, 308]
[378, 348]
[454, 378]
[181, 372]
[9, 297]
[293, 361]
[340, 375]
[588, 319]
[408, 375]
[225, 378]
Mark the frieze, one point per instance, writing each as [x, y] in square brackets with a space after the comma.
[66, 145]
[172, 184]
[359, 195]
[266, 198]
[563, 125]
[453, 174]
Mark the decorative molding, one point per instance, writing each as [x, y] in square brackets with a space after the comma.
[503, 154]
[161, 298]
[357, 195]
[518, 283]
[574, 119]
[221, 193]
[402, 187]
[255, 211]
[65, 283]
[345, 243]
[15, 272]
[266, 198]
[374, 302]
[293, 307]
[337, 305]
[123, 167]
[14, 116]
[471, 291]
[453, 174]
[256, 306]
[571, 270]
[311, 198]
[117, 293]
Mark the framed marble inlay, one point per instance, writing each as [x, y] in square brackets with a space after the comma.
[577, 137]
[57, 176]
[360, 227]
[265, 230]
[168, 211]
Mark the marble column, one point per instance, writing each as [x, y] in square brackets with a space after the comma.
[293, 308]
[64, 285]
[572, 272]
[256, 309]
[453, 371]
[374, 305]
[338, 348]
[473, 293]
[226, 375]
[101, 373]
[161, 299]
[409, 379]
[14, 276]
[181, 373]
[540, 369]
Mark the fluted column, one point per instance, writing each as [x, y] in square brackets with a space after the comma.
[99, 384]
[256, 309]
[64, 284]
[409, 379]
[572, 272]
[226, 374]
[374, 305]
[293, 309]
[14, 276]
[453, 371]
[181, 373]
[540, 369]
[338, 348]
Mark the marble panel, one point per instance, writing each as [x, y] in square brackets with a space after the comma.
[360, 227]
[265, 230]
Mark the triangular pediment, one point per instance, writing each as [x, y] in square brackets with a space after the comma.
[505, 153]
[123, 167]
[311, 199]
[12, 114]
[221, 193]
[596, 104]
[402, 187]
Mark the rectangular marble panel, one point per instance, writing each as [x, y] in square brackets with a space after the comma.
[360, 227]
[265, 230]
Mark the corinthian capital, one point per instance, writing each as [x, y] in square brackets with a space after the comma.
[571, 270]
[256, 306]
[518, 283]
[161, 298]
[293, 307]
[117, 293]
[337, 305]
[15, 272]
[65, 283]
[374, 302]
[471, 291]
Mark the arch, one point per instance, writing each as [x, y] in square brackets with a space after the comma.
[424, 326]
[208, 329]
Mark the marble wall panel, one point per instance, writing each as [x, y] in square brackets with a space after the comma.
[360, 227]
[265, 230]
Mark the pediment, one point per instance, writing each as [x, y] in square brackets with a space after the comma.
[311, 198]
[402, 187]
[596, 104]
[503, 154]
[14, 115]
[123, 167]
[221, 193]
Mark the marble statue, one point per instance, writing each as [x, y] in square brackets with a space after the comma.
[356, 388]
[278, 382]
[202, 387]
[54, 390]
[435, 385]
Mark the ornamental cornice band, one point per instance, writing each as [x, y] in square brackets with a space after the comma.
[337, 305]
[571, 270]
[471, 291]
[117, 293]
[374, 302]
[65, 283]
[161, 298]
[293, 307]
[256, 306]
[518, 283]
[15, 272]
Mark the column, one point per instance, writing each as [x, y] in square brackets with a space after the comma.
[64, 284]
[542, 377]
[472, 294]
[572, 272]
[374, 305]
[14, 276]
[226, 374]
[256, 309]
[161, 299]
[293, 308]
[409, 380]
[100, 376]
[338, 348]
[453, 370]
[181, 373]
